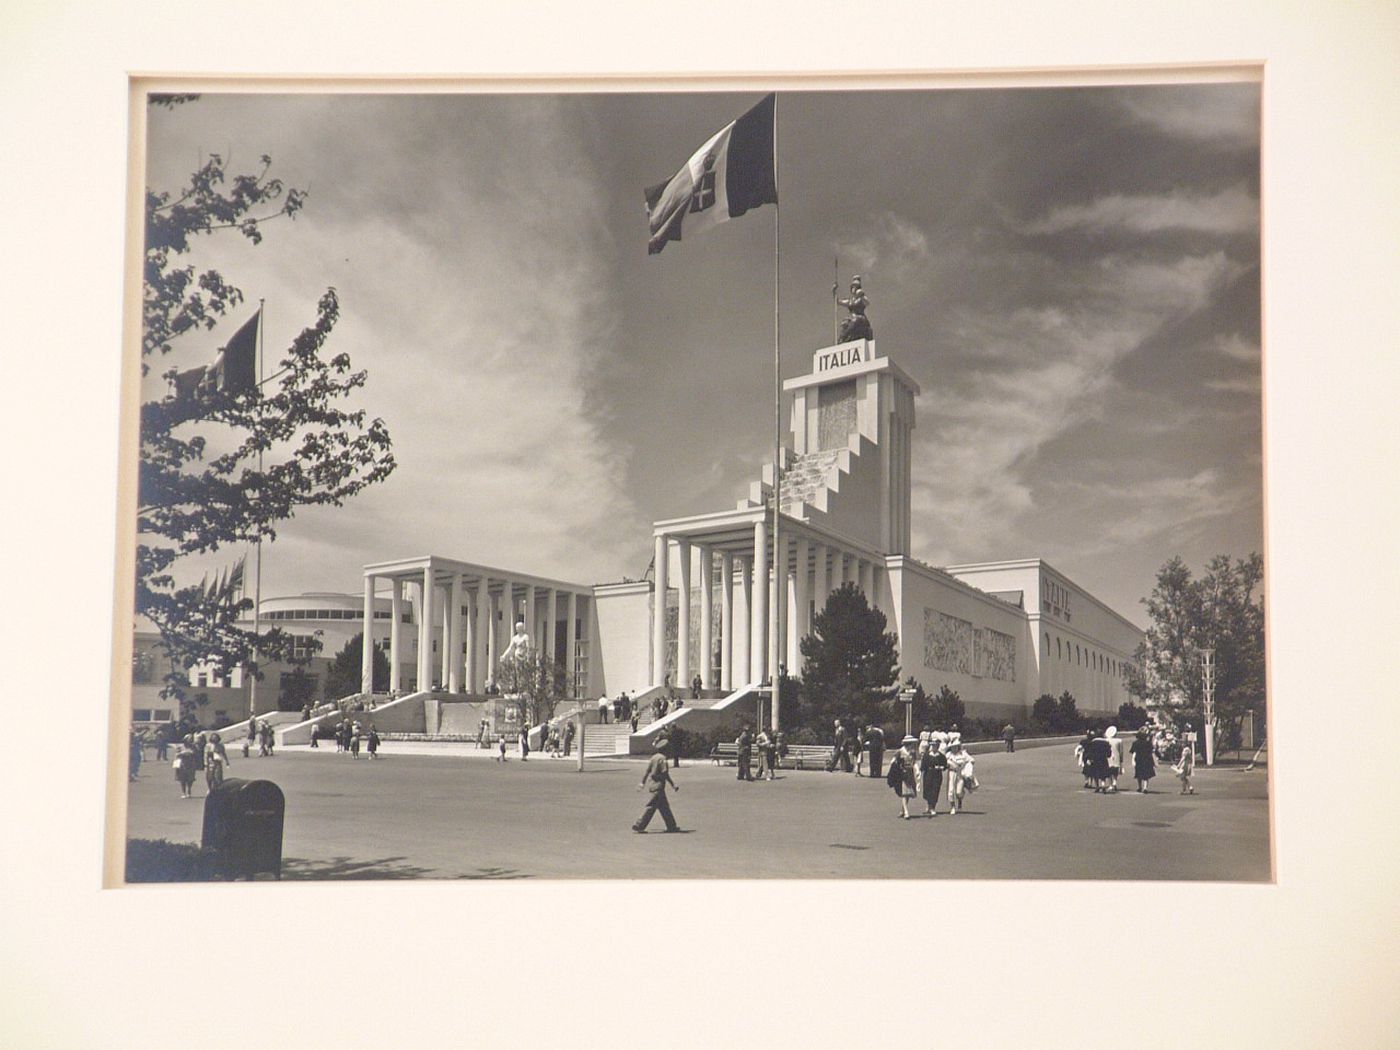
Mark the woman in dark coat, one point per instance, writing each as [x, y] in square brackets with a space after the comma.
[932, 763]
[1144, 768]
[1099, 751]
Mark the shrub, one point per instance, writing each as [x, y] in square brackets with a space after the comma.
[159, 860]
[947, 709]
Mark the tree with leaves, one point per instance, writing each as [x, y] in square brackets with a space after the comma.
[223, 464]
[533, 682]
[1224, 611]
[851, 663]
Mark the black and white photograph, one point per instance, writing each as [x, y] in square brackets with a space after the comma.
[861, 483]
[789, 523]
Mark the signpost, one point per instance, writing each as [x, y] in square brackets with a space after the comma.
[906, 697]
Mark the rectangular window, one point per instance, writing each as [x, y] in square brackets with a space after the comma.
[141, 714]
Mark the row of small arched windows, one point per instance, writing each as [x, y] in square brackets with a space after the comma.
[1078, 655]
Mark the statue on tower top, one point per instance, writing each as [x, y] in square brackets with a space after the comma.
[857, 326]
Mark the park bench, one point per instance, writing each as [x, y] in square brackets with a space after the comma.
[799, 756]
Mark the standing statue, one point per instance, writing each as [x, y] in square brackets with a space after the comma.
[857, 326]
[520, 643]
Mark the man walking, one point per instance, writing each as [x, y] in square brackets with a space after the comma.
[1009, 735]
[654, 781]
[604, 705]
[841, 752]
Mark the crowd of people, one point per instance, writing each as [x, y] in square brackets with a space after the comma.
[920, 764]
[1099, 756]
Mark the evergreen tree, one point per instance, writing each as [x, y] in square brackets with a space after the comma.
[850, 661]
[343, 678]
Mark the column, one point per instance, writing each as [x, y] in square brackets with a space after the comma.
[571, 647]
[707, 613]
[777, 607]
[425, 629]
[658, 611]
[473, 640]
[863, 578]
[743, 630]
[683, 617]
[821, 586]
[529, 616]
[552, 611]
[395, 635]
[493, 628]
[454, 666]
[726, 621]
[367, 640]
[801, 620]
[445, 654]
[758, 605]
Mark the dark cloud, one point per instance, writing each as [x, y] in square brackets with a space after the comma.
[1071, 274]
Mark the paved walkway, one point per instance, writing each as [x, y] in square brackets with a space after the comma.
[450, 816]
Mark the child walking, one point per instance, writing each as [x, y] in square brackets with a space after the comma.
[1184, 768]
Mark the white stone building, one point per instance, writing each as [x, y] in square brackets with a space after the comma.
[1000, 634]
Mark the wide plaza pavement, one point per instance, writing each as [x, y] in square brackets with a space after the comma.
[453, 815]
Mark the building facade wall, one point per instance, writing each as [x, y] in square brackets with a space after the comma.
[623, 624]
[1081, 645]
[952, 634]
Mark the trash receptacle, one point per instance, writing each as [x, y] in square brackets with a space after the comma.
[243, 828]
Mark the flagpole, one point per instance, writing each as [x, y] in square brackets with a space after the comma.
[257, 571]
[779, 571]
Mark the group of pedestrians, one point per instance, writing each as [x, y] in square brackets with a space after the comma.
[771, 748]
[196, 753]
[619, 709]
[558, 742]
[854, 749]
[1100, 759]
[351, 736]
[260, 732]
[919, 766]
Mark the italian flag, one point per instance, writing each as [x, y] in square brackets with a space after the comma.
[734, 170]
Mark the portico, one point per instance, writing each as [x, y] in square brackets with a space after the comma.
[470, 610]
[767, 598]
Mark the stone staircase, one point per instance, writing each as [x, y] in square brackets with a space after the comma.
[807, 478]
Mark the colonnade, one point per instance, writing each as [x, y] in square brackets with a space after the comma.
[475, 612]
[758, 631]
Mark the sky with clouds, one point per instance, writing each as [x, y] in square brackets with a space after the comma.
[1070, 274]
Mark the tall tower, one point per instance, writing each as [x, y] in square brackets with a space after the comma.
[852, 425]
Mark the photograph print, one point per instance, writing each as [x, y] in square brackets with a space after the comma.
[801, 482]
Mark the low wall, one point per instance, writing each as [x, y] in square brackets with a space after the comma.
[461, 717]
[404, 715]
